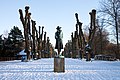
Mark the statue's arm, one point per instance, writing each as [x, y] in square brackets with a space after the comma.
[56, 36]
[61, 35]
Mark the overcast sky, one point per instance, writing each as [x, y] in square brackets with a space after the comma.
[47, 13]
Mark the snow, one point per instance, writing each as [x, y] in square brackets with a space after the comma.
[75, 69]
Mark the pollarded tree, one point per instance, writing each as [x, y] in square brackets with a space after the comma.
[110, 11]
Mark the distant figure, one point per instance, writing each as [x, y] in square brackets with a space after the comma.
[59, 37]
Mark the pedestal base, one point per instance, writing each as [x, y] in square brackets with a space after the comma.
[59, 65]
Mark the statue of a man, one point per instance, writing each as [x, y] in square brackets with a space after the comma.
[59, 37]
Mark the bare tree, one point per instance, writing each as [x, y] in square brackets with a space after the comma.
[101, 26]
[110, 10]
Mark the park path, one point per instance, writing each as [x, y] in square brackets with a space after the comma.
[75, 69]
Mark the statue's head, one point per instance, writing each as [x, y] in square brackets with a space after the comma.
[58, 28]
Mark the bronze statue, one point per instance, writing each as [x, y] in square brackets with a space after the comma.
[58, 37]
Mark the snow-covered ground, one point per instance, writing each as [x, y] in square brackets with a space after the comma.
[75, 69]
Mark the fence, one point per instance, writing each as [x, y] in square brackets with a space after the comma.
[105, 57]
[7, 58]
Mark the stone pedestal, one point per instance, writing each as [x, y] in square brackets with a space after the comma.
[59, 65]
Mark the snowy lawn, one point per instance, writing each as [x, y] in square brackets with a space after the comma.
[75, 69]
